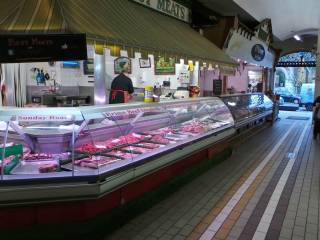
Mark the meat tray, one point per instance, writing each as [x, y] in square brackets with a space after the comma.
[148, 145]
[120, 154]
[31, 167]
[135, 150]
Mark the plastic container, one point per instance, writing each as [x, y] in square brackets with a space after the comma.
[148, 94]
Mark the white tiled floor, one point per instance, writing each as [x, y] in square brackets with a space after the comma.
[272, 205]
[223, 215]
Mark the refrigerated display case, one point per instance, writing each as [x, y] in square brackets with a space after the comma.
[247, 108]
[101, 147]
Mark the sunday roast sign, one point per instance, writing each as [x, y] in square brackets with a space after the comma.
[44, 118]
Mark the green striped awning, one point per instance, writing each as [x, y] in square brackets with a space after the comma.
[119, 22]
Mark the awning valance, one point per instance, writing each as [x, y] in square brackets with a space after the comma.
[118, 22]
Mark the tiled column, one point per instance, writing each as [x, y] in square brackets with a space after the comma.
[317, 87]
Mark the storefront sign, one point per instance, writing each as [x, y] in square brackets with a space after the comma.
[15, 48]
[168, 7]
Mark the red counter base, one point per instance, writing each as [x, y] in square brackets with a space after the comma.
[65, 212]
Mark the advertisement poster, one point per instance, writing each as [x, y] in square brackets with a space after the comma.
[163, 67]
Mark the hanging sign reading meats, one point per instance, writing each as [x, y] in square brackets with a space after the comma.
[15, 48]
[168, 7]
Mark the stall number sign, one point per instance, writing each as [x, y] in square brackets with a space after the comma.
[168, 7]
[44, 118]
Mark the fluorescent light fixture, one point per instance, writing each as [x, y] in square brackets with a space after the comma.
[297, 37]
[232, 104]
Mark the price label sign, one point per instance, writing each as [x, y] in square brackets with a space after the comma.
[133, 111]
[44, 118]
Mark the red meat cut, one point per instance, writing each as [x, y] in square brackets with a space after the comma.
[46, 168]
[123, 154]
[136, 149]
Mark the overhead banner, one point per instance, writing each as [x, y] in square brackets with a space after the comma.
[253, 50]
[168, 7]
[16, 48]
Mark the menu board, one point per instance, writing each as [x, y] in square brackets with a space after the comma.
[217, 87]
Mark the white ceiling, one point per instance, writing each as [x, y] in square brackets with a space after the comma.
[288, 17]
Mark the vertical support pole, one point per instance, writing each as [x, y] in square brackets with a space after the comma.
[100, 95]
[317, 82]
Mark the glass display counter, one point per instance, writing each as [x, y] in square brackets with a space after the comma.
[94, 143]
[246, 108]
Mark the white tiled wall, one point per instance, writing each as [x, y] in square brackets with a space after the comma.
[141, 77]
[64, 76]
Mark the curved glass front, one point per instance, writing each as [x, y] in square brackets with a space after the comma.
[90, 141]
[247, 105]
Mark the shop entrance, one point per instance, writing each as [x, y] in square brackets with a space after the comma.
[255, 80]
[295, 81]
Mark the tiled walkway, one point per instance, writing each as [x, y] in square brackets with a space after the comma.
[268, 189]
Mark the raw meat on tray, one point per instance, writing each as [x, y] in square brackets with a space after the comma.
[161, 131]
[160, 139]
[148, 145]
[46, 168]
[89, 148]
[194, 127]
[114, 142]
[133, 137]
[95, 161]
[107, 144]
[45, 156]
[136, 149]
[37, 156]
[123, 155]
[127, 139]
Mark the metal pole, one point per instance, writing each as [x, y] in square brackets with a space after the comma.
[72, 147]
[317, 82]
[99, 80]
